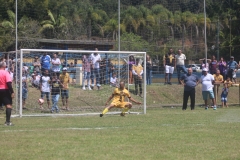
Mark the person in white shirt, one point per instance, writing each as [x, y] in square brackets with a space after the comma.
[180, 64]
[207, 88]
[45, 82]
[56, 65]
[95, 71]
[114, 80]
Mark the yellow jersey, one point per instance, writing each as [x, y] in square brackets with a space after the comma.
[169, 59]
[65, 80]
[120, 94]
[218, 78]
[229, 83]
[138, 69]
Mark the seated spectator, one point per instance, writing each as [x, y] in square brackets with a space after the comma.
[114, 81]
[35, 80]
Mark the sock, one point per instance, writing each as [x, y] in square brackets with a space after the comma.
[105, 111]
[8, 114]
[125, 109]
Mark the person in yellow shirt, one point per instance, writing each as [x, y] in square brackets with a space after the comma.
[218, 78]
[228, 82]
[137, 71]
[64, 79]
[118, 97]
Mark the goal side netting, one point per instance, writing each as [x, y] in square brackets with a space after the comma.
[87, 92]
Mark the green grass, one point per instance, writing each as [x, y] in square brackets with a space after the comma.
[160, 134]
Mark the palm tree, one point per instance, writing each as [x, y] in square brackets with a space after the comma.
[54, 24]
[112, 27]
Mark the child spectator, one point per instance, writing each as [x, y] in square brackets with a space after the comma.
[114, 81]
[35, 80]
[228, 82]
[55, 92]
[224, 95]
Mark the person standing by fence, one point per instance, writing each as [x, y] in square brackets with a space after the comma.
[169, 62]
[137, 71]
[180, 64]
[232, 66]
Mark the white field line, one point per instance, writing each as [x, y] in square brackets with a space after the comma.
[61, 129]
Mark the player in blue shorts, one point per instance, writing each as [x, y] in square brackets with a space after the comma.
[224, 95]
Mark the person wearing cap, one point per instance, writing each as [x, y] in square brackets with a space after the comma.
[64, 79]
[189, 81]
[36, 65]
[232, 67]
[207, 81]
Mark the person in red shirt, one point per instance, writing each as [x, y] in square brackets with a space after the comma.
[6, 92]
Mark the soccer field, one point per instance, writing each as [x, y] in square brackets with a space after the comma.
[160, 134]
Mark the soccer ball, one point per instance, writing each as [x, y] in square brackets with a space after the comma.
[40, 101]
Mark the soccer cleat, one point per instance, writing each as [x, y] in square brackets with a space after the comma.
[8, 124]
[98, 85]
[84, 88]
[122, 114]
[206, 108]
[214, 108]
[101, 115]
[89, 88]
[169, 83]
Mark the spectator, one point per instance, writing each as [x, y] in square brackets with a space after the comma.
[6, 92]
[137, 71]
[131, 63]
[204, 63]
[180, 64]
[218, 78]
[73, 73]
[45, 81]
[56, 65]
[95, 70]
[36, 65]
[87, 62]
[189, 81]
[103, 72]
[24, 90]
[213, 65]
[235, 76]
[207, 88]
[148, 69]
[36, 81]
[224, 95]
[232, 66]
[55, 92]
[228, 82]
[114, 81]
[168, 63]
[45, 61]
[222, 66]
[65, 79]
[111, 68]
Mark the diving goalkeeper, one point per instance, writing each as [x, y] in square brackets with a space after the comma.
[118, 97]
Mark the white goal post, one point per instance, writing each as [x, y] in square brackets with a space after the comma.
[93, 100]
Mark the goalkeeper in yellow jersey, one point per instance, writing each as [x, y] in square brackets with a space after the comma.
[118, 97]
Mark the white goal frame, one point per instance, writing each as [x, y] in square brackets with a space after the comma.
[80, 51]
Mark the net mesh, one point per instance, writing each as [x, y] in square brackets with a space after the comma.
[83, 98]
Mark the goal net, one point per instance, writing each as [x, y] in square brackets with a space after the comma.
[87, 93]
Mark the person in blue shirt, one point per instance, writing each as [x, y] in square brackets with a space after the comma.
[232, 67]
[189, 81]
[224, 95]
[45, 61]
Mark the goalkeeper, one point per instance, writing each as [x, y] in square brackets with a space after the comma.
[118, 97]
